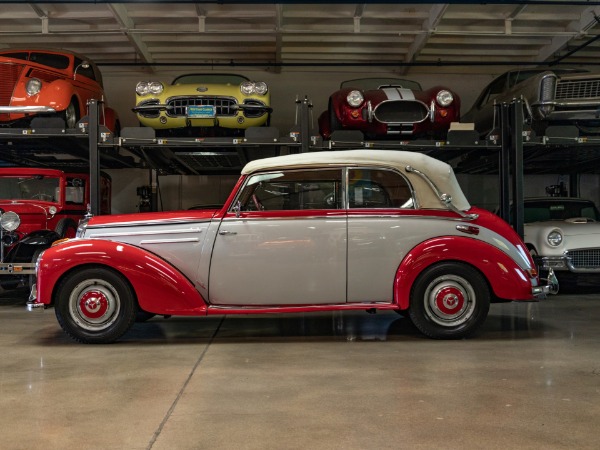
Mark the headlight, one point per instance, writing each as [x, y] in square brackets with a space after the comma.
[33, 86]
[149, 87]
[444, 98]
[52, 210]
[254, 87]
[10, 221]
[355, 98]
[247, 87]
[260, 87]
[555, 238]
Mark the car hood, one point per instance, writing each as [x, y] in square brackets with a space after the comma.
[152, 218]
[569, 227]
[24, 208]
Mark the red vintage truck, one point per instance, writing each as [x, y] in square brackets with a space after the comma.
[38, 207]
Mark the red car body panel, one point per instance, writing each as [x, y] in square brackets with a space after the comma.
[159, 287]
[507, 280]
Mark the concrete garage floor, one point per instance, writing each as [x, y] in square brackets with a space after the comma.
[529, 380]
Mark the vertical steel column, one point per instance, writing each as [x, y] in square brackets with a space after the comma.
[516, 128]
[504, 164]
[574, 185]
[93, 134]
[305, 125]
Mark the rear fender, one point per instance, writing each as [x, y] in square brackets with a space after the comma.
[506, 279]
[159, 287]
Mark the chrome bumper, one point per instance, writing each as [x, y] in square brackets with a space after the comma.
[17, 269]
[32, 303]
[26, 109]
[551, 286]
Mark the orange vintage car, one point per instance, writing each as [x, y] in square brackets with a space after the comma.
[50, 83]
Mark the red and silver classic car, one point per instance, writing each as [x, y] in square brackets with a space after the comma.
[38, 207]
[347, 230]
[53, 83]
[390, 107]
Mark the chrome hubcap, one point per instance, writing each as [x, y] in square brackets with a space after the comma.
[449, 300]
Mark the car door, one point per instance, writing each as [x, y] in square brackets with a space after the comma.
[381, 229]
[283, 242]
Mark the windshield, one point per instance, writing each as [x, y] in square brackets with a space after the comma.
[210, 78]
[36, 187]
[543, 210]
[377, 83]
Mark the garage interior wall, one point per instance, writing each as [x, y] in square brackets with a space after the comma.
[182, 192]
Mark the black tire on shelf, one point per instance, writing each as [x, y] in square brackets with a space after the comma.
[95, 305]
[334, 123]
[449, 300]
[71, 114]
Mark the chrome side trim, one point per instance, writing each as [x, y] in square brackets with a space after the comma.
[143, 233]
[26, 109]
[168, 241]
[147, 224]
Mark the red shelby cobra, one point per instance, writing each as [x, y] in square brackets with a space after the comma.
[390, 107]
[51, 83]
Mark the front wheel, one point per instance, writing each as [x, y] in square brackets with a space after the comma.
[95, 305]
[449, 301]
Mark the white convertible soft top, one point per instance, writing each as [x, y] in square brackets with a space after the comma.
[440, 173]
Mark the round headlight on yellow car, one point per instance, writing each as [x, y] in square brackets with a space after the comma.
[254, 87]
[33, 86]
[149, 87]
[10, 221]
[261, 88]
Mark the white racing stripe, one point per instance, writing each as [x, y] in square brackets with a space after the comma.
[398, 94]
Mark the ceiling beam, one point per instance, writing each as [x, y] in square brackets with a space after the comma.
[43, 15]
[586, 22]
[120, 14]
[436, 13]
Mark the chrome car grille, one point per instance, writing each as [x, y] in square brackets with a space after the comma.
[9, 74]
[566, 89]
[584, 259]
[224, 106]
[401, 111]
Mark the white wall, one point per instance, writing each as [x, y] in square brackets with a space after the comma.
[181, 192]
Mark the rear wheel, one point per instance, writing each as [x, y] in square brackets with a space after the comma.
[95, 305]
[449, 301]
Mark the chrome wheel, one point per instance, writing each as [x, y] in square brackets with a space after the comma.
[449, 300]
[94, 305]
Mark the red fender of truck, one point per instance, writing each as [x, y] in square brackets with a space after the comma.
[158, 286]
[506, 279]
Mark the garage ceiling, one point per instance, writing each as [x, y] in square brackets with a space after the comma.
[364, 34]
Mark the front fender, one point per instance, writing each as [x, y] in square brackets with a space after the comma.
[159, 287]
[507, 280]
[58, 95]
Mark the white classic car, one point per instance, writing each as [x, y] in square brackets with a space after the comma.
[325, 231]
[563, 233]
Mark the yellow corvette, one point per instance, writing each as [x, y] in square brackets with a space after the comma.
[203, 104]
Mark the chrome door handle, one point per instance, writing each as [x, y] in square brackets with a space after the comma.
[225, 232]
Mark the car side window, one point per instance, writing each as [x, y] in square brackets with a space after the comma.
[292, 190]
[495, 89]
[75, 191]
[378, 188]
